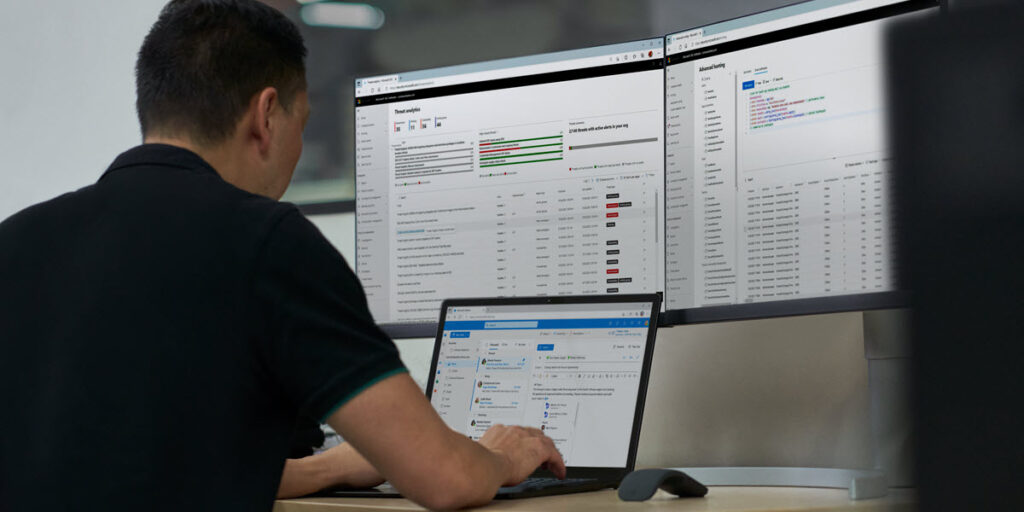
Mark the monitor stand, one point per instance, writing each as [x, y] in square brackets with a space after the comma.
[886, 347]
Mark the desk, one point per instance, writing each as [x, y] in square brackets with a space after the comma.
[746, 499]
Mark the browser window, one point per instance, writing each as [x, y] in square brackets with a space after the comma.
[573, 371]
[532, 176]
[778, 168]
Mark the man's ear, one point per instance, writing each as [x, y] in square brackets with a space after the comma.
[265, 106]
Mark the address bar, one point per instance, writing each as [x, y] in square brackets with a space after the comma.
[530, 69]
[791, 21]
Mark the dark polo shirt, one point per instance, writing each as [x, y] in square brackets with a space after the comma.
[160, 332]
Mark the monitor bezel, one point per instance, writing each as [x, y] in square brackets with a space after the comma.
[783, 308]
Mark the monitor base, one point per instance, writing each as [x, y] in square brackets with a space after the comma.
[862, 483]
[887, 350]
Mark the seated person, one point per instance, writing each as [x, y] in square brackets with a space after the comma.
[162, 330]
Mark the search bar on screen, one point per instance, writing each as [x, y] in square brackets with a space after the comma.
[522, 324]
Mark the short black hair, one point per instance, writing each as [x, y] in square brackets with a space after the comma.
[204, 60]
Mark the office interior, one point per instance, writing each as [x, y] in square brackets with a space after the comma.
[789, 391]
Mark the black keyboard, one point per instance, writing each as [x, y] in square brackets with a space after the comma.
[538, 486]
[542, 486]
[542, 482]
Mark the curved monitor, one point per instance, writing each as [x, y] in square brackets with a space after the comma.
[778, 165]
[531, 176]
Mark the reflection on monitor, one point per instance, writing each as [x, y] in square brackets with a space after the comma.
[777, 165]
[539, 175]
[575, 371]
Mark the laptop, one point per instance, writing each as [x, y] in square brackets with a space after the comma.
[575, 367]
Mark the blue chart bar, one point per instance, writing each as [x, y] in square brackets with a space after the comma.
[569, 323]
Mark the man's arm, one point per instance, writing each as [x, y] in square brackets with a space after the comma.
[320, 342]
[395, 428]
[341, 465]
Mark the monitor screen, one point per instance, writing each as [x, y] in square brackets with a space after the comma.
[571, 370]
[777, 164]
[530, 176]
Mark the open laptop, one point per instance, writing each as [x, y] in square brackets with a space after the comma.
[575, 367]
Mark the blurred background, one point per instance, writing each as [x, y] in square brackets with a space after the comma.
[68, 93]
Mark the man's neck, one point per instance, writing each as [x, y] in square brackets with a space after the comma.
[221, 158]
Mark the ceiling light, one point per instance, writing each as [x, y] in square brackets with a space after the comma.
[342, 15]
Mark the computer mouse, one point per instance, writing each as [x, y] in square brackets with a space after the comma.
[641, 484]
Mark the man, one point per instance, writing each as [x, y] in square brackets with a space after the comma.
[162, 329]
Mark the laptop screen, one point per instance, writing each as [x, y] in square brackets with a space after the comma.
[571, 370]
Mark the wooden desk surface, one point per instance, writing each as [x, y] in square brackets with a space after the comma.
[747, 499]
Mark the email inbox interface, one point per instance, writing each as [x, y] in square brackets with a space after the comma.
[572, 374]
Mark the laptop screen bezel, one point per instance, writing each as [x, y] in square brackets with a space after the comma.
[654, 299]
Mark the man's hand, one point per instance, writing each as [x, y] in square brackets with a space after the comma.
[394, 426]
[524, 449]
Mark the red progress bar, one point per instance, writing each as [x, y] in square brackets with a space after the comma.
[493, 150]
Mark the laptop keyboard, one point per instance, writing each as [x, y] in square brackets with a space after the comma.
[544, 482]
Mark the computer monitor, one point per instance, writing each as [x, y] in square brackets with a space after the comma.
[777, 163]
[531, 176]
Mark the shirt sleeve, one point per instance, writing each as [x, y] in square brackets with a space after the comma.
[319, 340]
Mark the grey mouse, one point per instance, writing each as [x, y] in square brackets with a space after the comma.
[641, 484]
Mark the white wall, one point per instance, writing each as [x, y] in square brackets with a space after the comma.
[67, 96]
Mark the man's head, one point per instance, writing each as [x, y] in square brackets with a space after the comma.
[226, 78]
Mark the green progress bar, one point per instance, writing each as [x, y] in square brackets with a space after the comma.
[523, 140]
[526, 162]
[541, 145]
[517, 155]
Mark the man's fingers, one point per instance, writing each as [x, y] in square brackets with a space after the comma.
[554, 462]
[549, 456]
[559, 471]
[556, 466]
[531, 446]
[552, 459]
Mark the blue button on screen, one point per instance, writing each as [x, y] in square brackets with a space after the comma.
[749, 84]
[545, 347]
[460, 334]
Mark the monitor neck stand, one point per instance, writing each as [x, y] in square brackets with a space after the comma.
[886, 347]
